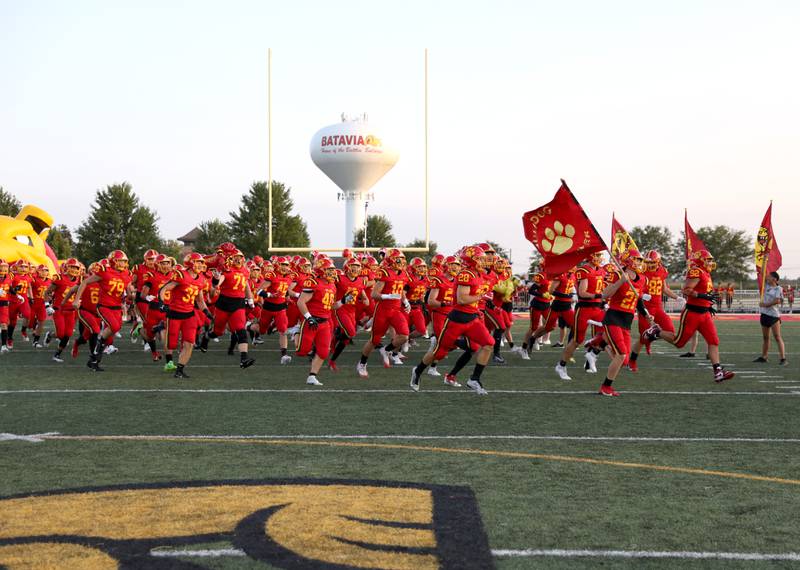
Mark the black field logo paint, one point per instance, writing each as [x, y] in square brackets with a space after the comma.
[286, 523]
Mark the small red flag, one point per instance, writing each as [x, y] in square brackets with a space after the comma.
[767, 255]
[621, 240]
[561, 232]
[693, 243]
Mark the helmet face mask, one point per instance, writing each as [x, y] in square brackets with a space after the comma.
[352, 268]
[596, 259]
[118, 260]
[4, 268]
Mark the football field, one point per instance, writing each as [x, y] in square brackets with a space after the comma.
[238, 469]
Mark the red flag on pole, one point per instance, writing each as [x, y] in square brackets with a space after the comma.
[621, 240]
[562, 232]
[767, 255]
[693, 243]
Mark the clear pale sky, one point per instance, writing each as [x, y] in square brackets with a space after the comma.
[643, 107]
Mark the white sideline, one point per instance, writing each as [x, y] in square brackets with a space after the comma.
[377, 391]
[666, 439]
[558, 553]
[561, 553]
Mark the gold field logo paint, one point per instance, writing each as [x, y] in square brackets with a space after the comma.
[287, 523]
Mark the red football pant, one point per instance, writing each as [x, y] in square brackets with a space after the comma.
[538, 317]
[292, 313]
[112, 318]
[581, 321]
[235, 321]
[661, 318]
[552, 318]
[439, 319]
[90, 320]
[143, 307]
[474, 331]
[618, 338]
[319, 337]
[346, 320]
[154, 316]
[4, 315]
[18, 310]
[185, 328]
[278, 317]
[416, 319]
[64, 322]
[385, 317]
[692, 322]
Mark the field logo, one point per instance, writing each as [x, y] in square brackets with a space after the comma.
[286, 523]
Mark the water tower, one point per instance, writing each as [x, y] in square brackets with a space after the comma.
[354, 155]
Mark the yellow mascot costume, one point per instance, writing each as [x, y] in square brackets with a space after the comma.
[24, 237]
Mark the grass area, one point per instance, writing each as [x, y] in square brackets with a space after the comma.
[714, 493]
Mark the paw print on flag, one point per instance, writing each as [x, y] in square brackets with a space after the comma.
[559, 238]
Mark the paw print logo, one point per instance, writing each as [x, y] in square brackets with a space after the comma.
[559, 238]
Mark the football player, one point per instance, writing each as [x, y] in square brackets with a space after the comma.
[464, 320]
[40, 308]
[698, 289]
[19, 305]
[349, 295]
[274, 290]
[5, 295]
[440, 302]
[315, 305]
[61, 295]
[539, 306]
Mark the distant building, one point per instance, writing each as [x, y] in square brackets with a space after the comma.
[189, 240]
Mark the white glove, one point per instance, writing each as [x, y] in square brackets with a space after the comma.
[49, 310]
[150, 298]
[646, 297]
[406, 306]
[574, 297]
[391, 296]
[21, 298]
[249, 303]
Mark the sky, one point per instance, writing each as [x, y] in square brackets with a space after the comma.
[644, 108]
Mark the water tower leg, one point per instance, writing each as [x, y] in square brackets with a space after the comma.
[354, 218]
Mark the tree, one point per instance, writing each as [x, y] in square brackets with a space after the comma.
[379, 233]
[660, 239]
[9, 205]
[248, 227]
[117, 221]
[212, 233]
[732, 250]
[536, 260]
[171, 248]
[60, 240]
[432, 249]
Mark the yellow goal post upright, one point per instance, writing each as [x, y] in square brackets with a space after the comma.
[274, 249]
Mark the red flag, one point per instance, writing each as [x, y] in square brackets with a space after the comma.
[621, 240]
[693, 243]
[767, 255]
[561, 232]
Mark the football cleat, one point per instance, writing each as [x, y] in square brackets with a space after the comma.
[651, 334]
[3, 349]
[760, 359]
[414, 380]
[286, 359]
[170, 367]
[312, 381]
[385, 357]
[477, 387]
[497, 359]
[146, 347]
[57, 358]
[258, 340]
[721, 375]
[110, 349]
[633, 366]
[247, 363]
[362, 370]
[524, 354]
[25, 336]
[332, 366]
[156, 356]
[180, 373]
[562, 372]
[546, 341]
[433, 372]
[557, 345]
[687, 355]
[450, 380]
[607, 391]
[203, 344]
[397, 359]
[10, 344]
[591, 361]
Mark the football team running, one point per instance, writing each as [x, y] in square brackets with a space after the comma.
[460, 302]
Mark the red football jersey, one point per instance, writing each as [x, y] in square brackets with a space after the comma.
[566, 285]
[91, 297]
[446, 293]
[23, 285]
[704, 285]
[278, 286]
[139, 272]
[39, 287]
[63, 283]
[543, 290]
[416, 289]
[235, 283]
[185, 294]
[323, 296]
[626, 297]
[490, 278]
[595, 277]
[352, 287]
[5, 288]
[655, 286]
[394, 282]
[478, 285]
[112, 286]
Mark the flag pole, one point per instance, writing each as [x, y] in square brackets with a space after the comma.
[763, 276]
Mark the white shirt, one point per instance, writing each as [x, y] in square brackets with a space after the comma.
[772, 293]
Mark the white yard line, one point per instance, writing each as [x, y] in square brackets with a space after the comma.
[51, 436]
[555, 553]
[377, 391]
